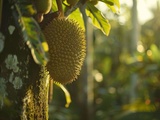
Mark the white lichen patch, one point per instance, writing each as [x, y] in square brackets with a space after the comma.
[2, 38]
[17, 83]
[12, 63]
[26, 76]
[3, 92]
[11, 76]
[11, 29]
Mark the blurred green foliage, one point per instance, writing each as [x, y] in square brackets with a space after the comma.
[113, 66]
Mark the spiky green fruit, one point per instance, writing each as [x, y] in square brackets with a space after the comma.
[67, 49]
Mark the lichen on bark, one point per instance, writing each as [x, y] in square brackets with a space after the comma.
[25, 83]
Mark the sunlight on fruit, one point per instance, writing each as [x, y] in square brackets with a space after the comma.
[67, 49]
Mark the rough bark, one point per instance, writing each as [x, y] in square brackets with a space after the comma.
[23, 83]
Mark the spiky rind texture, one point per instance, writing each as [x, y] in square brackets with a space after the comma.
[67, 49]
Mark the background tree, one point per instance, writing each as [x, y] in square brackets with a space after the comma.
[116, 64]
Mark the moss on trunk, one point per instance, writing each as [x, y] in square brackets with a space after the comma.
[35, 102]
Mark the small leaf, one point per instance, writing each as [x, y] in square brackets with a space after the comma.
[109, 2]
[27, 10]
[67, 94]
[26, 7]
[155, 53]
[54, 5]
[32, 35]
[35, 40]
[112, 8]
[98, 19]
[76, 15]
[116, 2]
[114, 5]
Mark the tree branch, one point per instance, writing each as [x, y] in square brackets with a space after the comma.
[60, 9]
[72, 9]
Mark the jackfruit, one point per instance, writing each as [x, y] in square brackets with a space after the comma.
[67, 49]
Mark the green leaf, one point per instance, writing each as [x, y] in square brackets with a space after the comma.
[35, 40]
[116, 2]
[109, 2]
[76, 15]
[155, 53]
[98, 19]
[26, 7]
[67, 94]
[54, 5]
[114, 5]
[27, 10]
[32, 35]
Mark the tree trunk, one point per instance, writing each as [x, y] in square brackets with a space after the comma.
[87, 90]
[134, 42]
[23, 83]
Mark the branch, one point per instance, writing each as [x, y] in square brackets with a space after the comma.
[60, 9]
[72, 9]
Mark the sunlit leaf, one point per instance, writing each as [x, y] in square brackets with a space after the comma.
[67, 94]
[116, 2]
[54, 5]
[139, 106]
[36, 40]
[98, 19]
[26, 7]
[109, 2]
[112, 8]
[33, 36]
[65, 3]
[155, 53]
[114, 5]
[28, 10]
[76, 15]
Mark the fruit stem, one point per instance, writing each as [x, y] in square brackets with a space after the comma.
[60, 9]
[50, 94]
